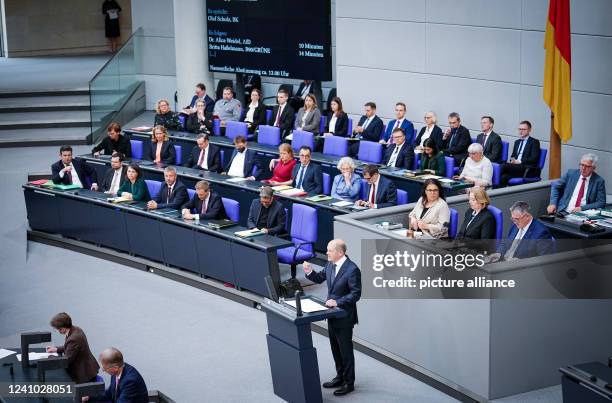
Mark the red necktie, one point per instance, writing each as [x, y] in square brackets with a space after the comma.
[397, 123]
[69, 177]
[201, 159]
[580, 192]
[373, 195]
[278, 115]
[204, 206]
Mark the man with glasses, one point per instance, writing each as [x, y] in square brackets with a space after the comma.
[525, 156]
[126, 383]
[400, 153]
[400, 122]
[456, 139]
[527, 236]
[579, 189]
[381, 192]
[307, 176]
[267, 214]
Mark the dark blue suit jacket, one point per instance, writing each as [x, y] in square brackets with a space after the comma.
[541, 241]
[374, 130]
[132, 388]
[345, 289]
[277, 218]
[561, 191]
[214, 158]
[250, 161]
[208, 101]
[178, 197]
[406, 125]
[386, 194]
[82, 169]
[214, 211]
[436, 135]
[404, 158]
[313, 178]
[493, 149]
[531, 152]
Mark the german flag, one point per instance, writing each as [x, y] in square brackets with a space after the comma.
[557, 90]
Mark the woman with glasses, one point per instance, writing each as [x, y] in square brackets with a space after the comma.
[431, 214]
[198, 122]
[430, 131]
[165, 117]
[347, 184]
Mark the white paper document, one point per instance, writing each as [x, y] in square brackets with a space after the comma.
[308, 305]
[236, 179]
[37, 356]
[5, 353]
[343, 203]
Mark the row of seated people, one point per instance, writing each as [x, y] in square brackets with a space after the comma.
[126, 383]
[577, 190]
[524, 160]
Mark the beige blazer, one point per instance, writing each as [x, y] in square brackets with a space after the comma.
[436, 216]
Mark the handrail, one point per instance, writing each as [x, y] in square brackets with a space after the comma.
[114, 56]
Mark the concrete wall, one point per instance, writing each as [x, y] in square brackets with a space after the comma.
[476, 57]
[45, 27]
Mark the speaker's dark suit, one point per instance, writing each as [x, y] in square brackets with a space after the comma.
[345, 289]
[214, 210]
[87, 175]
[493, 148]
[107, 181]
[312, 181]
[404, 158]
[276, 220]
[214, 158]
[176, 199]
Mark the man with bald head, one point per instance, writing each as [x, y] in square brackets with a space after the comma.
[126, 384]
[343, 290]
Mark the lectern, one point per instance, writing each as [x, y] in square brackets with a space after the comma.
[293, 359]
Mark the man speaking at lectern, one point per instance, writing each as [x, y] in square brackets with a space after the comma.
[343, 290]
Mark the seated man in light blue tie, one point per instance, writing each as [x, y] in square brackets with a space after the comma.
[527, 236]
[579, 189]
[307, 175]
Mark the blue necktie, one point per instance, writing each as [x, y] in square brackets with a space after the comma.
[520, 149]
[300, 176]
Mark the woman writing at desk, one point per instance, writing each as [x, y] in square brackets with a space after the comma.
[134, 187]
[161, 150]
[431, 214]
[432, 158]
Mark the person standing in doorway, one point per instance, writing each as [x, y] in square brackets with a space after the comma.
[111, 11]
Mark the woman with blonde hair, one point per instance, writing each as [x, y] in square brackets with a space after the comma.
[161, 151]
[165, 117]
[309, 116]
[283, 166]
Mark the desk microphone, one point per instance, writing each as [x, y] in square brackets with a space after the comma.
[298, 303]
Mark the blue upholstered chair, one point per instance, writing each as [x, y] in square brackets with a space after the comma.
[335, 145]
[269, 135]
[453, 224]
[326, 183]
[402, 197]
[302, 138]
[450, 166]
[136, 146]
[153, 186]
[520, 181]
[179, 155]
[370, 151]
[505, 148]
[495, 180]
[234, 129]
[232, 209]
[303, 235]
[499, 221]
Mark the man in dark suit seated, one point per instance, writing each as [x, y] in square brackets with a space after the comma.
[306, 87]
[490, 141]
[369, 128]
[282, 114]
[526, 238]
[381, 192]
[114, 141]
[204, 205]
[400, 153]
[267, 214]
[172, 194]
[307, 175]
[456, 139]
[200, 94]
[114, 176]
[82, 365]
[343, 290]
[525, 156]
[126, 383]
[243, 161]
[204, 155]
[578, 189]
[67, 171]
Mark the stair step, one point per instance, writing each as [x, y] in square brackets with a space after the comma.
[47, 92]
[44, 137]
[31, 120]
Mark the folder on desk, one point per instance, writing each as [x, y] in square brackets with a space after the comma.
[293, 192]
[118, 199]
[249, 233]
[280, 188]
[52, 185]
[218, 224]
[38, 182]
[318, 198]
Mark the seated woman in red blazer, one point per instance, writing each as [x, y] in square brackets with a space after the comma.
[281, 175]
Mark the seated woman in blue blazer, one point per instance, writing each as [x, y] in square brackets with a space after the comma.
[161, 150]
[347, 184]
[134, 187]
